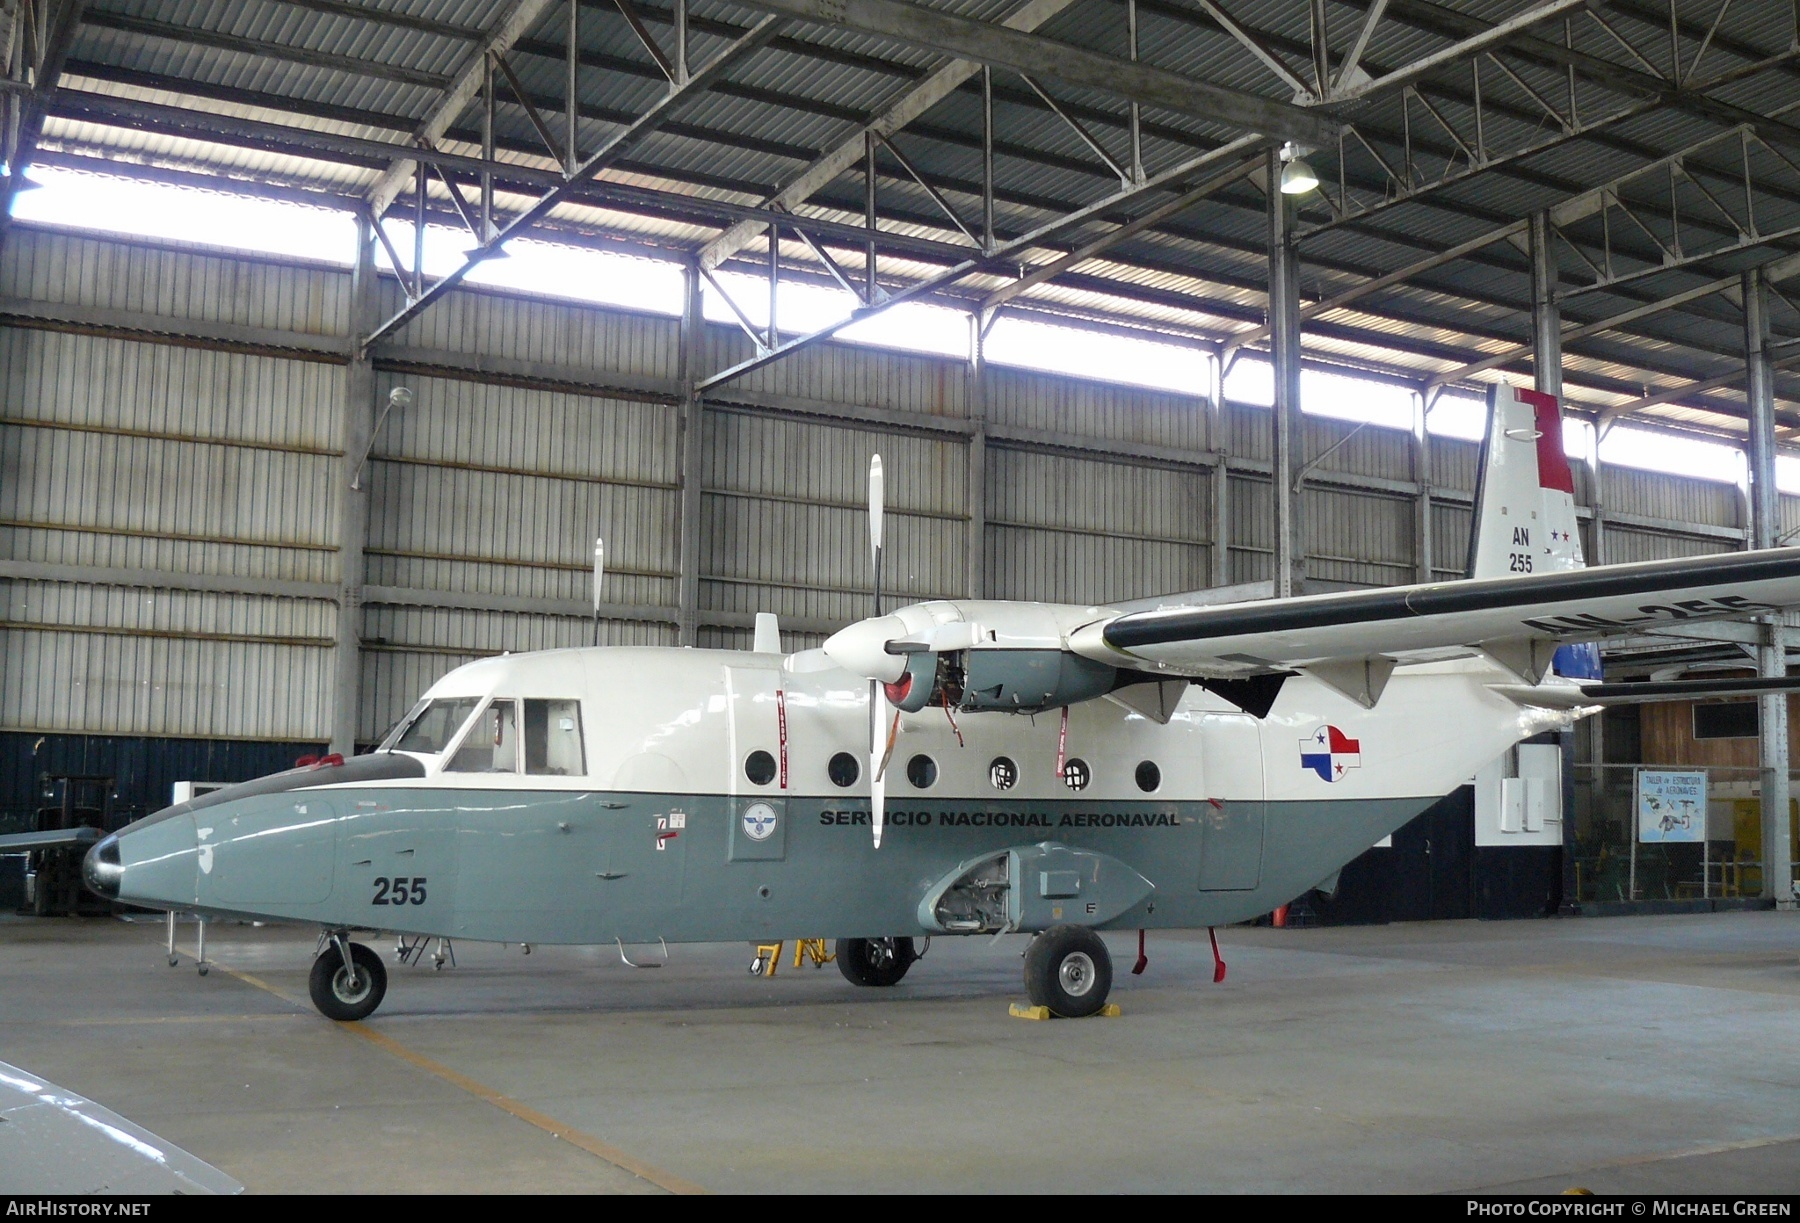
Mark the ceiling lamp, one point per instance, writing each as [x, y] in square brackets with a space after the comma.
[1297, 178]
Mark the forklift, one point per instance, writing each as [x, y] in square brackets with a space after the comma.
[74, 811]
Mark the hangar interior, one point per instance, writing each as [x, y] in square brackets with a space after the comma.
[225, 548]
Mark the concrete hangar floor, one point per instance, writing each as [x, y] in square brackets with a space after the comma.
[1643, 1054]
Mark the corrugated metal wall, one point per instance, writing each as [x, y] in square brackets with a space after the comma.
[1089, 530]
[117, 454]
[785, 521]
[216, 456]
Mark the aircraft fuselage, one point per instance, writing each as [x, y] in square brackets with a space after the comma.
[702, 802]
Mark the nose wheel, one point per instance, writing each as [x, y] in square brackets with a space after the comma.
[1067, 969]
[348, 980]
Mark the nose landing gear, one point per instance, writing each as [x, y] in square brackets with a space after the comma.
[875, 961]
[1067, 969]
[348, 980]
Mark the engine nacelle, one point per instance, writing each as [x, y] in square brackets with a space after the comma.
[975, 657]
[1024, 681]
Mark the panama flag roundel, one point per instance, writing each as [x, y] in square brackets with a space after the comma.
[1330, 753]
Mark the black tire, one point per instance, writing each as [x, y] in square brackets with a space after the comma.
[1067, 969]
[874, 961]
[331, 988]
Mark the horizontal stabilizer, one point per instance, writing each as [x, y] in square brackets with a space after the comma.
[1688, 689]
[1574, 696]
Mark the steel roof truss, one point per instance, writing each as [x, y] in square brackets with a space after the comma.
[609, 151]
[1048, 59]
[36, 69]
[472, 79]
[1237, 149]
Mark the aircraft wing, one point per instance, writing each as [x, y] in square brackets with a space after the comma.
[1516, 620]
[62, 1143]
[20, 842]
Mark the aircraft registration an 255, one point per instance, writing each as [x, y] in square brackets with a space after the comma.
[950, 767]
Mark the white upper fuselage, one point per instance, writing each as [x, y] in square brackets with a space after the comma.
[684, 721]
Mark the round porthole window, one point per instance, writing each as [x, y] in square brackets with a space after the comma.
[1149, 777]
[1003, 773]
[1076, 774]
[759, 767]
[922, 772]
[843, 770]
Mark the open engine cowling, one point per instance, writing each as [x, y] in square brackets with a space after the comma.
[972, 658]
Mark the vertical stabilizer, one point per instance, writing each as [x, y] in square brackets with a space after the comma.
[1525, 499]
[1525, 503]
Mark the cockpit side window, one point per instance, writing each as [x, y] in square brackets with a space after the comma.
[553, 738]
[492, 744]
[432, 727]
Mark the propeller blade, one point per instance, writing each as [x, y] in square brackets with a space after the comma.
[599, 574]
[877, 783]
[875, 504]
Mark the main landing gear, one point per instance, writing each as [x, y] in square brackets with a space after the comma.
[1067, 969]
[875, 961]
[348, 980]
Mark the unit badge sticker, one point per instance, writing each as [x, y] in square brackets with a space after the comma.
[759, 821]
[1330, 753]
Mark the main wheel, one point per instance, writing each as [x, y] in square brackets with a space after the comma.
[1068, 970]
[874, 961]
[336, 994]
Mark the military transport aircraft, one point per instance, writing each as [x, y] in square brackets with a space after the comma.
[950, 767]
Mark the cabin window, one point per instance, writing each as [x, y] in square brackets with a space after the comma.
[1003, 773]
[922, 772]
[492, 744]
[553, 739]
[843, 770]
[432, 725]
[1149, 777]
[1076, 774]
[1725, 720]
[759, 767]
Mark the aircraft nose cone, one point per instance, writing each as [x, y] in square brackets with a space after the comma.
[861, 648]
[101, 869]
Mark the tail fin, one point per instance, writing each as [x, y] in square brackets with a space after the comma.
[1525, 499]
[1524, 518]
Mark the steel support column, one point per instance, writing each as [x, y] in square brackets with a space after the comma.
[1220, 559]
[1424, 566]
[353, 502]
[976, 477]
[1546, 370]
[1546, 319]
[693, 450]
[1765, 530]
[1284, 356]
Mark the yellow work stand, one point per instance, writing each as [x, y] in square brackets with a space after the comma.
[768, 955]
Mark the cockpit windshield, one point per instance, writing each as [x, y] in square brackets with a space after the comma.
[431, 727]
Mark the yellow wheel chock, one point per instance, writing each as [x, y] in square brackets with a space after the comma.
[1020, 1011]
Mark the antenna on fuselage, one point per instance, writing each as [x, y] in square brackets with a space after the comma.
[877, 707]
[599, 574]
